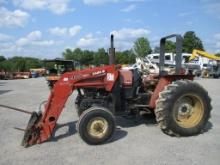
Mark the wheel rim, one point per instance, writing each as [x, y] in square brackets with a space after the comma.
[206, 74]
[188, 110]
[97, 127]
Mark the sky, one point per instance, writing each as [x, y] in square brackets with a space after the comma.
[45, 28]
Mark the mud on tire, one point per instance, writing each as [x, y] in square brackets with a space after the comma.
[183, 108]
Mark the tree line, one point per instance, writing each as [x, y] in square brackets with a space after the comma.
[141, 48]
[19, 64]
[100, 57]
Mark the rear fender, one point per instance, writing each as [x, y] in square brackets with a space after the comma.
[164, 81]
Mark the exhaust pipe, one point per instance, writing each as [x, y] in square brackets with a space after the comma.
[112, 51]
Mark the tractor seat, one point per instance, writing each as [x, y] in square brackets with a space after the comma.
[130, 81]
[126, 78]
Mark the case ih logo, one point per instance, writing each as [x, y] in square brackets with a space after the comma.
[98, 72]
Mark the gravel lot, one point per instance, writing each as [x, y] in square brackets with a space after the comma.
[133, 143]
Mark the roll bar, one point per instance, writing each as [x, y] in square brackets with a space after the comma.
[178, 57]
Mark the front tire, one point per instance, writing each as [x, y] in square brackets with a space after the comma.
[96, 125]
[183, 108]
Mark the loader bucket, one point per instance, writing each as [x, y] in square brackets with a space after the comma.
[32, 131]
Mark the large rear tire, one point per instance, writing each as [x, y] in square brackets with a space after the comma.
[183, 108]
[96, 125]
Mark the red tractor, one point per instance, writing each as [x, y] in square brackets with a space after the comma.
[181, 106]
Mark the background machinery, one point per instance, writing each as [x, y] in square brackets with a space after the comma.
[182, 107]
[55, 68]
[192, 67]
[209, 69]
[144, 65]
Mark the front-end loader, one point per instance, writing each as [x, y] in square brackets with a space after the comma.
[181, 106]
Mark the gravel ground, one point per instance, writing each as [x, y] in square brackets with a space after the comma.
[133, 143]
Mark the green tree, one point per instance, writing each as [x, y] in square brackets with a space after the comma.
[84, 57]
[170, 47]
[32, 63]
[218, 54]
[142, 47]
[100, 57]
[77, 54]
[20, 64]
[131, 56]
[87, 57]
[68, 54]
[125, 57]
[191, 41]
[2, 58]
[6, 65]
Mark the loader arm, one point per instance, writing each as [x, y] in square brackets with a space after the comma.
[201, 53]
[41, 125]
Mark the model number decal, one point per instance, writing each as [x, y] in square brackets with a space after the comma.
[98, 72]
